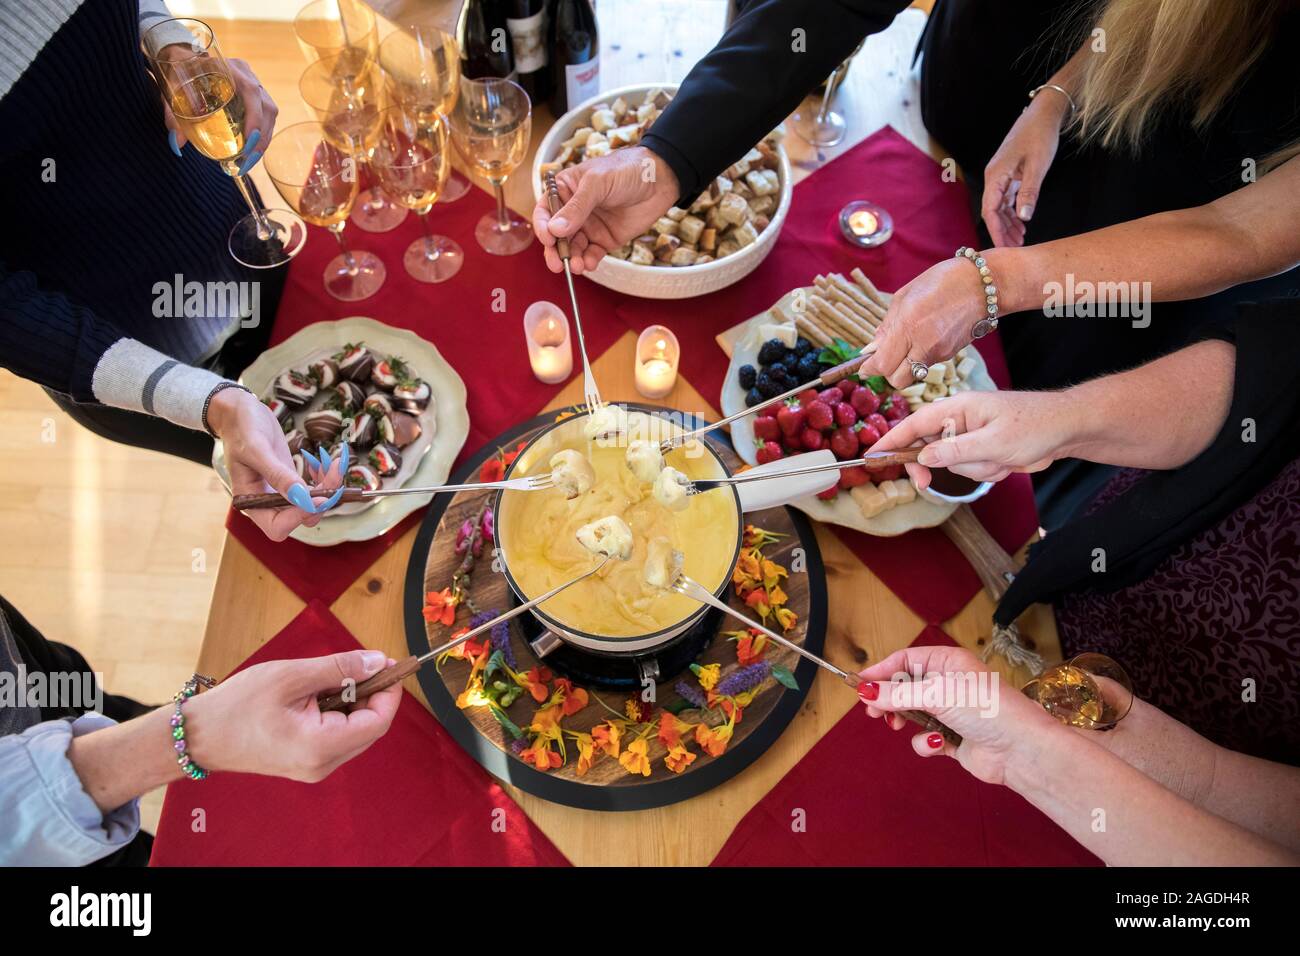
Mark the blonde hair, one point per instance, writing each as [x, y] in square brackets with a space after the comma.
[1170, 54]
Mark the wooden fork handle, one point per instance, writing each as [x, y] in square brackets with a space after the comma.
[393, 674]
[842, 371]
[274, 500]
[554, 202]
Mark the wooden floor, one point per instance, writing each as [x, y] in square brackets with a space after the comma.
[114, 550]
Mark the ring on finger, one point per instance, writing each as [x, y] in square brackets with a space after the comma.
[920, 371]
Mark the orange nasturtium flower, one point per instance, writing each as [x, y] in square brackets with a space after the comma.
[494, 469]
[440, 607]
[750, 646]
[472, 696]
[786, 618]
[535, 682]
[606, 737]
[749, 572]
[508, 457]
[635, 759]
[573, 699]
[541, 755]
[671, 729]
[714, 740]
[678, 758]
[586, 752]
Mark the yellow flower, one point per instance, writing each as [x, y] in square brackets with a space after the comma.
[713, 740]
[606, 737]
[586, 752]
[634, 759]
[708, 675]
[679, 758]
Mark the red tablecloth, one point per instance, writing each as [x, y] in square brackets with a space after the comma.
[414, 798]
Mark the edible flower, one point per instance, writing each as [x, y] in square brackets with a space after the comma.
[535, 682]
[713, 740]
[606, 737]
[571, 699]
[541, 756]
[635, 758]
[678, 758]
[440, 607]
[707, 674]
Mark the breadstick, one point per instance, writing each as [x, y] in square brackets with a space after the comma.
[864, 300]
[870, 319]
[810, 331]
[872, 292]
[865, 332]
[835, 321]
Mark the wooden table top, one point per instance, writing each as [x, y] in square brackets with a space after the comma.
[250, 605]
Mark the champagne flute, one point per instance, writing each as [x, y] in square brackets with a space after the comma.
[1090, 691]
[197, 83]
[337, 27]
[825, 127]
[411, 159]
[346, 94]
[318, 178]
[422, 64]
[490, 127]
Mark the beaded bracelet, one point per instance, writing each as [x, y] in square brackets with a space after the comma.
[990, 322]
[187, 765]
[207, 403]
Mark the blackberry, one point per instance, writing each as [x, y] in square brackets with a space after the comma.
[809, 368]
[770, 389]
[802, 347]
[773, 351]
[753, 398]
[748, 375]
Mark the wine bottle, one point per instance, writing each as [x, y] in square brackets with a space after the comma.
[526, 21]
[484, 41]
[575, 54]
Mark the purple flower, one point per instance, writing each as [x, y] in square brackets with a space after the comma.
[501, 642]
[743, 679]
[488, 524]
[691, 694]
[519, 746]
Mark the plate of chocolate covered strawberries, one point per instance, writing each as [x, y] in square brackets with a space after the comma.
[386, 393]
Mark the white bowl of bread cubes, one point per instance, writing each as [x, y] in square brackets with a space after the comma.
[724, 234]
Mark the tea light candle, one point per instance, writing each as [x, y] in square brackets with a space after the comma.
[550, 353]
[865, 224]
[657, 354]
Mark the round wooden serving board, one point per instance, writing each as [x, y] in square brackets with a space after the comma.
[607, 785]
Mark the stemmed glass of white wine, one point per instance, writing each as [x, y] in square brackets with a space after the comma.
[490, 127]
[197, 84]
[1089, 690]
[318, 177]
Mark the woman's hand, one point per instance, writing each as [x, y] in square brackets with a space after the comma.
[259, 461]
[265, 719]
[260, 112]
[928, 320]
[607, 201]
[1014, 176]
[999, 727]
[986, 435]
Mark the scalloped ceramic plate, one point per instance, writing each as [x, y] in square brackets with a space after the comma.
[450, 416]
[921, 513]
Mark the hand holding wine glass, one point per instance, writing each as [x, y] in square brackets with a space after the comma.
[490, 127]
[205, 97]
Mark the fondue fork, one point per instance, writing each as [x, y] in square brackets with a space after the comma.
[274, 500]
[405, 668]
[825, 380]
[878, 459]
[590, 393]
[688, 587]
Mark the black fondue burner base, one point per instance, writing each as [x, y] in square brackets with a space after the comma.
[621, 671]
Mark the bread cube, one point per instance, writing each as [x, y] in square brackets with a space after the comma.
[676, 213]
[727, 247]
[642, 255]
[665, 226]
[762, 205]
[689, 228]
[733, 209]
[665, 245]
[708, 240]
[682, 256]
[764, 182]
[603, 119]
[745, 234]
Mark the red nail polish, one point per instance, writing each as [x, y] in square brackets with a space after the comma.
[868, 690]
[935, 741]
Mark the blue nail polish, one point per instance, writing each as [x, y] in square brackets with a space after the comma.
[311, 459]
[249, 163]
[171, 141]
[330, 502]
[301, 499]
[251, 142]
[325, 461]
[344, 457]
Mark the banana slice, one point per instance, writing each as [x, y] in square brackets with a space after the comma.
[645, 460]
[663, 564]
[609, 536]
[670, 489]
[572, 473]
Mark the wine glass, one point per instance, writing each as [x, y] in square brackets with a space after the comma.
[411, 159]
[824, 126]
[196, 82]
[1089, 690]
[422, 64]
[337, 27]
[490, 127]
[318, 177]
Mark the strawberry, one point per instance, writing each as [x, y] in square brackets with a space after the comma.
[790, 417]
[844, 443]
[852, 477]
[867, 434]
[878, 422]
[829, 494]
[766, 428]
[831, 396]
[806, 397]
[812, 440]
[888, 473]
[769, 451]
[845, 414]
[846, 387]
[820, 415]
[896, 409]
[864, 401]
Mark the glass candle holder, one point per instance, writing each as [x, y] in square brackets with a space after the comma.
[866, 224]
[550, 352]
[657, 355]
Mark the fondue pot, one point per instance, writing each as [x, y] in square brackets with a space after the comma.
[534, 459]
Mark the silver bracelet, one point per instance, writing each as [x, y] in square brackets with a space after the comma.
[1060, 89]
[207, 403]
[989, 322]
